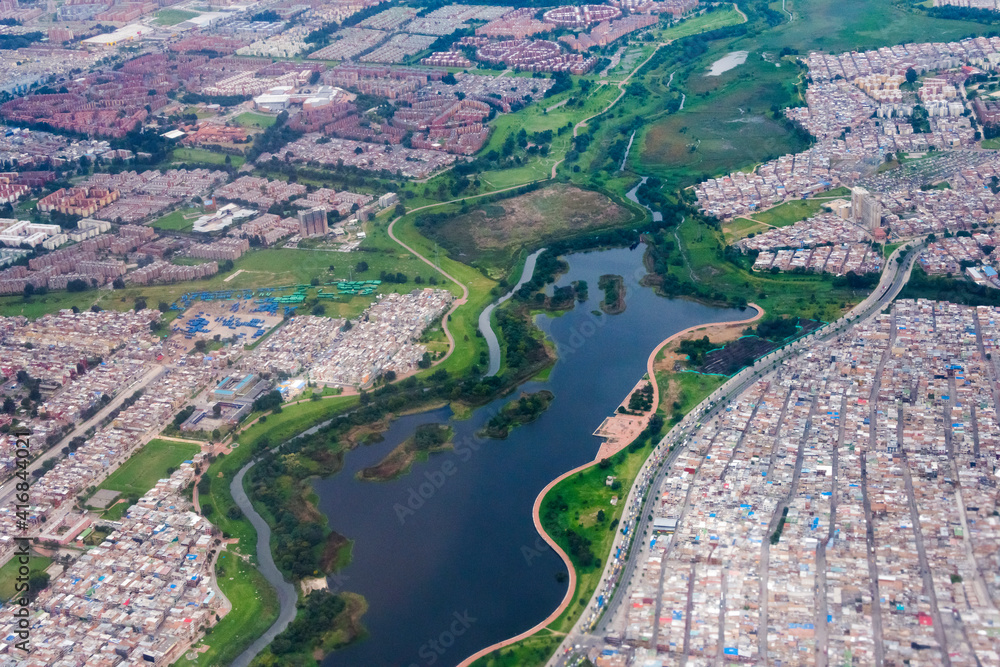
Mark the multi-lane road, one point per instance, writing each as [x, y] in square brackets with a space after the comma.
[894, 277]
[7, 489]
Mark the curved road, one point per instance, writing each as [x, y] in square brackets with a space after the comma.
[893, 279]
[536, 509]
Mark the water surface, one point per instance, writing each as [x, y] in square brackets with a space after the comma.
[447, 556]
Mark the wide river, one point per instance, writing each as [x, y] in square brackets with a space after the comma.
[448, 553]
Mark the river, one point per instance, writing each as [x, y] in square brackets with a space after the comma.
[447, 556]
[287, 595]
[657, 216]
[486, 327]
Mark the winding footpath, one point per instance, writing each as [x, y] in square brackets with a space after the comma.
[536, 508]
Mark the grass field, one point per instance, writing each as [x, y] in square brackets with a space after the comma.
[496, 233]
[740, 228]
[8, 573]
[250, 119]
[151, 463]
[181, 220]
[725, 124]
[167, 17]
[261, 268]
[535, 650]
[790, 212]
[701, 23]
[255, 608]
[202, 156]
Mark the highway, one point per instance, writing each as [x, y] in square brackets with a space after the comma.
[894, 277]
[7, 489]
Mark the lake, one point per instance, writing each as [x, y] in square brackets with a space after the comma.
[447, 556]
[727, 62]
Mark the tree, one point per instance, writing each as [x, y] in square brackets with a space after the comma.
[38, 581]
[140, 304]
[319, 310]
[911, 75]
[217, 409]
[361, 267]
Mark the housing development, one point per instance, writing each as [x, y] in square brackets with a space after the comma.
[641, 333]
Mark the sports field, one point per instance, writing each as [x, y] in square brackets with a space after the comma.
[8, 573]
[168, 17]
[148, 465]
[250, 119]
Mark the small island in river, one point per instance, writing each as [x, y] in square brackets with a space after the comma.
[427, 438]
[614, 293]
[524, 410]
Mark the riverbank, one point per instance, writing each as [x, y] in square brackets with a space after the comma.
[526, 409]
[427, 439]
[582, 491]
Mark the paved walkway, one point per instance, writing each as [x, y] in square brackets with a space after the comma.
[536, 509]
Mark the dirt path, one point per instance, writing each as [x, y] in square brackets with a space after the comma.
[651, 361]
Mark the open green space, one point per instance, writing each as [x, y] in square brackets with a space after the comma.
[859, 24]
[700, 23]
[168, 17]
[148, 465]
[202, 156]
[535, 650]
[891, 248]
[992, 144]
[251, 119]
[790, 212]
[495, 233]
[36, 306]
[726, 122]
[582, 503]
[117, 510]
[261, 268]
[9, 573]
[255, 608]
[740, 228]
[181, 220]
